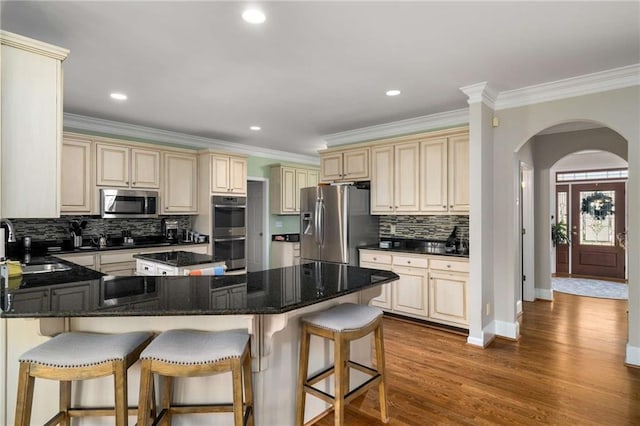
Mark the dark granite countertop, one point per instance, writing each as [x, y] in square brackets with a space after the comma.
[431, 247]
[75, 274]
[272, 291]
[177, 258]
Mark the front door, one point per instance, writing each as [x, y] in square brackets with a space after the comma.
[597, 217]
[562, 216]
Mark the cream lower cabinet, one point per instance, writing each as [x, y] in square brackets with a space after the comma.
[448, 284]
[180, 195]
[378, 260]
[432, 288]
[284, 253]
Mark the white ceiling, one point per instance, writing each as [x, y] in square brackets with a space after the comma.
[313, 68]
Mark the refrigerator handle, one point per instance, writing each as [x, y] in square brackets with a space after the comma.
[316, 223]
[320, 221]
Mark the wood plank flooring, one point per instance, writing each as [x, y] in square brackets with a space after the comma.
[566, 369]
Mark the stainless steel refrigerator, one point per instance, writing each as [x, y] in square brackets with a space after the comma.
[334, 222]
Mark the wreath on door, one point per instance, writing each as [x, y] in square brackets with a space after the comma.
[598, 205]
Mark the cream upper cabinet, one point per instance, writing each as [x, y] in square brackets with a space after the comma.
[122, 166]
[31, 127]
[145, 168]
[348, 165]
[445, 174]
[180, 188]
[434, 180]
[228, 174]
[75, 179]
[285, 185]
[395, 179]
[459, 173]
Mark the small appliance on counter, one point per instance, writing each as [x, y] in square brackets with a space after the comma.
[290, 238]
[170, 229]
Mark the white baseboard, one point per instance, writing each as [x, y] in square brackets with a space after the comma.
[633, 355]
[484, 339]
[510, 330]
[544, 294]
[519, 308]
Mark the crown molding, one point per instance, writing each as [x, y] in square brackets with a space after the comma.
[404, 127]
[480, 92]
[617, 78]
[34, 46]
[82, 123]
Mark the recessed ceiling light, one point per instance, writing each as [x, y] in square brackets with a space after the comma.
[255, 128]
[254, 16]
[393, 92]
[119, 96]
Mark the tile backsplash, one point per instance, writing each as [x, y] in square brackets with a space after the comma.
[424, 227]
[58, 229]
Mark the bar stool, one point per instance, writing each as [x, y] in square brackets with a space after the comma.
[342, 324]
[79, 356]
[191, 353]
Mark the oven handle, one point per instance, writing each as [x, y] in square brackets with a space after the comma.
[229, 239]
[223, 206]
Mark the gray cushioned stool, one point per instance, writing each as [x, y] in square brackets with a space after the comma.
[190, 353]
[79, 356]
[342, 324]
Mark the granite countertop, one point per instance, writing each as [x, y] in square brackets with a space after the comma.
[75, 274]
[272, 291]
[177, 258]
[433, 247]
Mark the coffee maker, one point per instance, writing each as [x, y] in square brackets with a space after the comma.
[170, 229]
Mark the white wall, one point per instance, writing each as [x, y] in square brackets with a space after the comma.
[589, 161]
[616, 109]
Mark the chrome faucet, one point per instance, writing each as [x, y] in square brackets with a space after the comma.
[12, 234]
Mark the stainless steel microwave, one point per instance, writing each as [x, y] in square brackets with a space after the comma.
[125, 203]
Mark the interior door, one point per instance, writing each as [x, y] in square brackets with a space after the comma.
[255, 221]
[597, 216]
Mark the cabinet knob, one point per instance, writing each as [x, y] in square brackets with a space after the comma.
[448, 266]
[375, 258]
[164, 272]
[451, 206]
[390, 207]
[444, 207]
[408, 262]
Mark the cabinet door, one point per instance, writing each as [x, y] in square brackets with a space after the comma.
[448, 297]
[219, 174]
[238, 175]
[219, 299]
[288, 188]
[406, 178]
[112, 165]
[410, 292]
[75, 179]
[459, 173]
[165, 270]
[382, 187]
[31, 301]
[302, 179]
[31, 133]
[145, 168]
[331, 167]
[384, 300]
[433, 182]
[355, 164]
[180, 183]
[313, 177]
[72, 298]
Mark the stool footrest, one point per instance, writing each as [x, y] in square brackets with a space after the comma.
[55, 420]
[318, 377]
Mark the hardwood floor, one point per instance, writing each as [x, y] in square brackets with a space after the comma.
[566, 369]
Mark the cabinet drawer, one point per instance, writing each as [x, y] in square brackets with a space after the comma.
[145, 268]
[416, 262]
[84, 260]
[447, 265]
[373, 257]
[116, 258]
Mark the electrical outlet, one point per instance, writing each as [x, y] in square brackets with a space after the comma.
[488, 309]
[392, 228]
[278, 224]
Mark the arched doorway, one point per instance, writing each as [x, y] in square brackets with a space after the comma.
[542, 152]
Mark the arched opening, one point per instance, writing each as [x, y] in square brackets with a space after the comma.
[577, 146]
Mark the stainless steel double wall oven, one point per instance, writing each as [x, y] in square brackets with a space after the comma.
[229, 215]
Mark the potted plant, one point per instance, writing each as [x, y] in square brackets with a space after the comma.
[559, 234]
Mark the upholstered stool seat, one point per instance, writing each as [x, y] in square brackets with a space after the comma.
[190, 353]
[78, 356]
[342, 324]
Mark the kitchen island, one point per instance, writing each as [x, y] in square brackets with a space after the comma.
[267, 303]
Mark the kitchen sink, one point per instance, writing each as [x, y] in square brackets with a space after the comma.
[44, 268]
